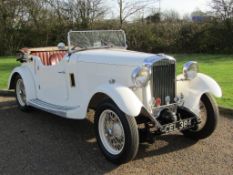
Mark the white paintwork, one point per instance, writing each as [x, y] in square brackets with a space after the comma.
[53, 84]
[94, 76]
[25, 71]
[124, 97]
[105, 71]
[93, 72]
[194, 89]
[114, 56]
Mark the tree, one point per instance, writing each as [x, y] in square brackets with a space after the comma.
[12, 15]
[154, 18]
[80, 12]
[171, 16]
[127, 8]
[223, 9]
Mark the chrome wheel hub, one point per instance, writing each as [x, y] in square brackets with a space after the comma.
[111, 132]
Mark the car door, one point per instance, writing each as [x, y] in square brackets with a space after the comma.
[52, 83]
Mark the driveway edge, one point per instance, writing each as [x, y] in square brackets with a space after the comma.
[7, 93]
[226, 111]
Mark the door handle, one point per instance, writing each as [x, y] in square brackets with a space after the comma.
[62, 72]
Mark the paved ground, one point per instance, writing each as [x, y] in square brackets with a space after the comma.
[40, 143]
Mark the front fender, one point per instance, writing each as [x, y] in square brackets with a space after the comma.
[28, 80]
[123, 97]
[194, 89]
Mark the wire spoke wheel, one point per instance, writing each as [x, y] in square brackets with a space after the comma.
[208, 114]
[116, 133]
[202, 116]
[20, 92]
[111, 132]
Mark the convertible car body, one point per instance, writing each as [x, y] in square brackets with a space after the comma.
[135, 95]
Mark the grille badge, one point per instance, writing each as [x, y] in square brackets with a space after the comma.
[158, 102]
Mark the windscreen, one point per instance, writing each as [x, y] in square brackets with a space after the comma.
[96, 39]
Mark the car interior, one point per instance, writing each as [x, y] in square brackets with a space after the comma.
[49, 56]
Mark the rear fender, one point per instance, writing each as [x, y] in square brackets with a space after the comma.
[194, 89]
[28, 80]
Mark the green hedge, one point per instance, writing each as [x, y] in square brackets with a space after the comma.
[172, 37]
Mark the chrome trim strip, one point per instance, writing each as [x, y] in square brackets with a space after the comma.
[158, 57]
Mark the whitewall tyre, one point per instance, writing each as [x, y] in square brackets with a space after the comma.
[117, 134]
[209, 115]
[20, 94]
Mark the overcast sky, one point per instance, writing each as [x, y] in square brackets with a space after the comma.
[181, 6]
[185, 6]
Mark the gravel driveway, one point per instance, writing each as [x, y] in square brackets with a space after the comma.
[40, 143]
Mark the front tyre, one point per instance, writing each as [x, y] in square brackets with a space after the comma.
[20, 94]
[116, 133]
[209, 115]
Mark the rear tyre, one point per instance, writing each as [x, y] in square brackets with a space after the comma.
[209, 115]
[20, 94]
[117, 134]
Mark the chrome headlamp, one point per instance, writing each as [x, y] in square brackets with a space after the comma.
[141, 76]
[190, 70]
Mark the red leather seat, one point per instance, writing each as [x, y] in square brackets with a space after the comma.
[56, 58]
[45, 56]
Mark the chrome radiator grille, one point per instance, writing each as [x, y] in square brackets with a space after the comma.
[164, 80]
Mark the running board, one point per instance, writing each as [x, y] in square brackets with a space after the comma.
[51, 108]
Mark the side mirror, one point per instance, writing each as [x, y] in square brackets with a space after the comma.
[61, 46]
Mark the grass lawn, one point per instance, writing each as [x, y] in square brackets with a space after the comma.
[220, 67]
[7, 64]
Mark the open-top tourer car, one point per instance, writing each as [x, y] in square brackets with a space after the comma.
[135, 96]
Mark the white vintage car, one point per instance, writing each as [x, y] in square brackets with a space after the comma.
[135, 96]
